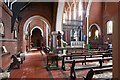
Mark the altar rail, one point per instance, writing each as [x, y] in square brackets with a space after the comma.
[77, 44]
[70, 49]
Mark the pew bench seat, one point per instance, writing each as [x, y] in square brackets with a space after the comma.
[100, 70]
[97, 68]
[84, 67]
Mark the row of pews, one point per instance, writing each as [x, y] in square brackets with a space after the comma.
[84, 58]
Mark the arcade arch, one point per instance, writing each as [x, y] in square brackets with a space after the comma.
[26, 33]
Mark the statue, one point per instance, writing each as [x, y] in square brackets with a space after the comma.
[1, 28]
[59, 39]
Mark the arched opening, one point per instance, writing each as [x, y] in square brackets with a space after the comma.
[37, 28]
[94, 33]
[36, 39]
[94, 36]
[29, 30]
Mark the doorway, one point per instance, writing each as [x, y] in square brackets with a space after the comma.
[36, 39]
[94, 36]
[94, 33]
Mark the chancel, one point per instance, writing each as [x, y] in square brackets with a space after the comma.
[69, 39]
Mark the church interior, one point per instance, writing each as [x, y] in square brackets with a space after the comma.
[69, 39]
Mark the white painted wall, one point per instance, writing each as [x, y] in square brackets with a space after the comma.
[47, 27]
[59, 16]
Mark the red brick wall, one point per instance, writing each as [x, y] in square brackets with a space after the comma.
[95, 16]
[46, 10]
[108, 14]
[100, 13]
[42, 25]
[115, 13]
[35, 22]
[8, 40]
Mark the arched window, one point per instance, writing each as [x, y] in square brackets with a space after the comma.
[109, 27]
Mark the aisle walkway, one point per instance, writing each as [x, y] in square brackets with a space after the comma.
[34, 66]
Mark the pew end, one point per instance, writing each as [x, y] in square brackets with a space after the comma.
[89, 75]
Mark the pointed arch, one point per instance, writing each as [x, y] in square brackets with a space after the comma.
[35, 28]
[97, 28]
[30, 20]
[26, 25]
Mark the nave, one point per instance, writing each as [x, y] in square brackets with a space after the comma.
[34, 67]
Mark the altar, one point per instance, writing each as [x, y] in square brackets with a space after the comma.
[69, 49]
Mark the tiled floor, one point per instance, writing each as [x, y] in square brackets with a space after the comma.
[34, 67]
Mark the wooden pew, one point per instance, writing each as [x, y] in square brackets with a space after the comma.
[101, 70]
[73, 74]
[86, 55]
[82, 58]
[96, 69]
[66, 61]
[90, 73]
[92, 54]
[70, 49]
[104, 53]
